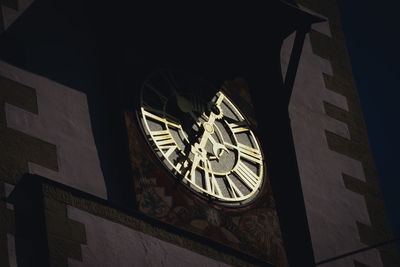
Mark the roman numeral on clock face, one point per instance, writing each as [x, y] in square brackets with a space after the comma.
[231, 178]
[168, 120]
[239, 127]
[246, 175]
[235, 192]
[250, 153]
[164, 141]
[211, 181]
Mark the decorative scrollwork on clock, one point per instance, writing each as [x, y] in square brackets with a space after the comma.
[201, 137]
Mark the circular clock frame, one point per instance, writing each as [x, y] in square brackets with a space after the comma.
[219, 158]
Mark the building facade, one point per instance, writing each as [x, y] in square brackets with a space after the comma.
[82, 184]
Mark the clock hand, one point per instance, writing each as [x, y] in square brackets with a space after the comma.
[189, 106]
[183, 103]
[198, 148]
[216, 112]
[211, 185]
[199, 155]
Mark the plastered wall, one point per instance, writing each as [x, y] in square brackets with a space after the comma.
[344, 207]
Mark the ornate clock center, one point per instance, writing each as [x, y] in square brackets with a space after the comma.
[208, 127]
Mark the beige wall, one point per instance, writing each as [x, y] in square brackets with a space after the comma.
[332, 149]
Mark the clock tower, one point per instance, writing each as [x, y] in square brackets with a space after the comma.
[205, 135]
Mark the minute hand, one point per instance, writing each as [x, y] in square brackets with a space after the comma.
[209, 125]
[198, 148]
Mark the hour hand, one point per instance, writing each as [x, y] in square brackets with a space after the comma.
[184, 104]
[189, 106]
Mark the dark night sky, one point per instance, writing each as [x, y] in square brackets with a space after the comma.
[372, 34]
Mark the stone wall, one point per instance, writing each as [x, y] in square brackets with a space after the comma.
[344, 205]
[44, 129]
[83, 230]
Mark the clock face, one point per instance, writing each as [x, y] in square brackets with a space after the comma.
[201, 137]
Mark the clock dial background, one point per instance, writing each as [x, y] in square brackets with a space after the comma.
[174, 107]
[252, 228]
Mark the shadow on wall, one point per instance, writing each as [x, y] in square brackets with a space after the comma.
[106, 57]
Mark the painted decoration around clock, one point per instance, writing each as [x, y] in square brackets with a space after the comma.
[201, 137]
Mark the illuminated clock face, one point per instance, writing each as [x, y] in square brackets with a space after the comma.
[201, 137]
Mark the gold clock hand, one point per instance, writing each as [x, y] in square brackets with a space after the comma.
[199, 155]
[216, 112]
[198, 149]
